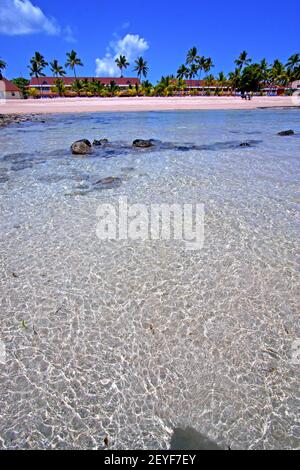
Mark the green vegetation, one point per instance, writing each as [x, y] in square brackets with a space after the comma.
[122, 63]
[246, 77]
[22, 84]
[56, 69]
[37, 66]
[73, 61]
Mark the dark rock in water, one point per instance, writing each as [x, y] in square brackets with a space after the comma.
[100, 142]
[245, 144]
[140, 143]
[190, 439]
[110, 182]
[81, 147]
[6, 119]
[288, 132]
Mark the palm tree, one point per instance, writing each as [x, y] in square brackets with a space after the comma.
[182, 72]
[165, 86]
[234, 79]
[209, 81]
[192, 56]
[122, 63]
[293, 62]
[200, 61]
[57, 69]
[77, 86]
[73, 61]
[222, 80]
[243, 60]
[278, 73]
[141, 67]
[147, 87]
[37, 65]
[293, 67]
[208, 64]
[113, 87]
[193, 71]
[59, 87]
[264, 70]
[3, 66]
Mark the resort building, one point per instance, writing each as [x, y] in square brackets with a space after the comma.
[45, 85]
[296, 85]
[8, 90]
[202, 85]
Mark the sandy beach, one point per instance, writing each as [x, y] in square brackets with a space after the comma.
[81, 105]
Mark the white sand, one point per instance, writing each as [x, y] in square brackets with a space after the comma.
[81, 105]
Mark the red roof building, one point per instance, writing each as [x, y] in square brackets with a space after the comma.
[68, 81]
[8, 90]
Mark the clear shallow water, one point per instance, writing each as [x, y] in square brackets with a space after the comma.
[129, 339]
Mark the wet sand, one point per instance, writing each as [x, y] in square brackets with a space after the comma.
[81, 105]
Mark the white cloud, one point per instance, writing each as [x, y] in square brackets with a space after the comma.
[21, 17]
[69, 34]
[131, 45]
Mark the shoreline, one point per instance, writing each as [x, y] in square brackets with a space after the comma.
[141, 104]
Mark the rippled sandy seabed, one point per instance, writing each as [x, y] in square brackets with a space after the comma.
[130, 339]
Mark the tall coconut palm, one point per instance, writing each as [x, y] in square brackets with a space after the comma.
[243, 60]
[122, 63]
[222, 80]
[192, 56]
[37, 66]
[141, 67]
[235, 79]
[278, 73]
[293, 67]
[264, 70]
[208, 64]
[56, 69]
[293, 62]
[3, 66]
[200, 61]
[193, 71]
[73, 61]
[182, 72]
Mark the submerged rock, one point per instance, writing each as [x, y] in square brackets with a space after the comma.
[245, 144]
[288, 132]
[190, 439]
[108, 183]
[140, 143]
[98, 143]
[81, 147]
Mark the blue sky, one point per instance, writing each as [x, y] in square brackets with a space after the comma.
[160, 31]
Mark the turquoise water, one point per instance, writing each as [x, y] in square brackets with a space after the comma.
[131, 339]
